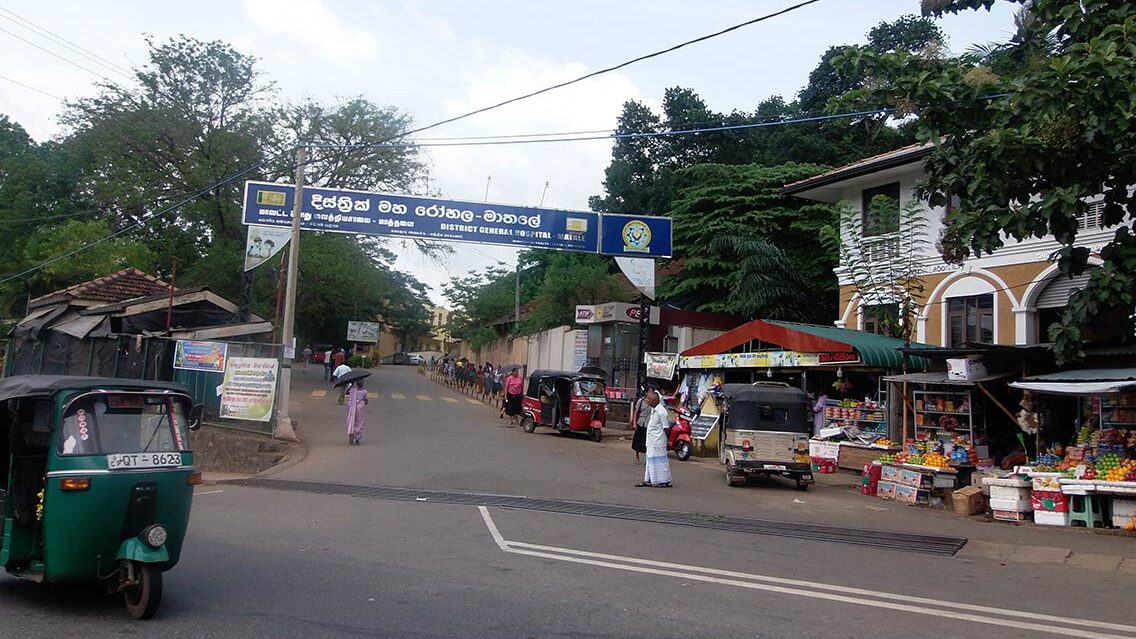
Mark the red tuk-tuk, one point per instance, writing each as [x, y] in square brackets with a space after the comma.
[568, 402]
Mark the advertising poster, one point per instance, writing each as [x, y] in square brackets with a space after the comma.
[249, 389]
[263, 243]
[661, 365]
[367, 332]
[579, 350]
[201, 356]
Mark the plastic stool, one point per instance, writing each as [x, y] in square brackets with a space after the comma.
[1085, 510]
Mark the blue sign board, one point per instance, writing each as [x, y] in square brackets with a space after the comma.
[635, 235]
[365, 213]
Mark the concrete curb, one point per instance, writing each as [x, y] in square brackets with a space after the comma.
[297, 453]
[1019, 554]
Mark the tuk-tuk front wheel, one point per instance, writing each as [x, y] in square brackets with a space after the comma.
[683, 450]
[596, 435]
[802, 485]
[528, 424]
[144, 595]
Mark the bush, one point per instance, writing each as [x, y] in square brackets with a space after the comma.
[360, 361]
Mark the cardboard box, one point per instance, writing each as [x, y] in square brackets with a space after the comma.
[1049, 501]
[1010, 493]
[965, 369]
[911, 495]
[885, 490]
[889, 473]
[969, 500]
[1047, 482]
[915, 478]
[1011, 505]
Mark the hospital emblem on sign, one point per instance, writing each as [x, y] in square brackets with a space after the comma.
[637, 237]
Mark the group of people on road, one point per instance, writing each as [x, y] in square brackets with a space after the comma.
[504, 383]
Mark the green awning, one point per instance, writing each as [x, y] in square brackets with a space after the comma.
[878, 351]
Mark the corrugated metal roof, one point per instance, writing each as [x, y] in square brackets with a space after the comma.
[874, 350]
[1059, 289]
[1088, 375]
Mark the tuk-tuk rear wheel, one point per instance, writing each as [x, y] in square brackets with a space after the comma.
[143, 598]
[528, 424]
[596, 435]
[802, 485]
[733, 480]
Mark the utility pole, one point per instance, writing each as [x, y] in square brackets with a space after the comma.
[644, 327]
[517, 298]
[284, 428]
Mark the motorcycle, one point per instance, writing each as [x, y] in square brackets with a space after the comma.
[678, 437]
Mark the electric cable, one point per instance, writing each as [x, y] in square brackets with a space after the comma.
[30, 87]
[54, 54]
[439, 123]
[64, 42]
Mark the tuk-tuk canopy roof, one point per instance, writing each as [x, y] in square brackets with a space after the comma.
[47, 385]
[762, 393]
[878, 351]
[541, 374]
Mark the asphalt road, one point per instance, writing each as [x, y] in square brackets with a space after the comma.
[276, 563]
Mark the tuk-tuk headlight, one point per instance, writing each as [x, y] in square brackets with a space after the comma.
[585, 406]
[155, 536]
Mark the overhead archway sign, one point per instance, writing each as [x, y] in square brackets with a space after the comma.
[407, 216]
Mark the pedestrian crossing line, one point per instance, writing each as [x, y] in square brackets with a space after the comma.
[398, 396]
[472, 401]
[449, 400]
[319, 393]
[424, 398]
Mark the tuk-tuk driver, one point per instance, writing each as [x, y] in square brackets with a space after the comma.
[658, 470]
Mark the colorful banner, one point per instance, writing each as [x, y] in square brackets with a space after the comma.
[249, 389]
[661, 365]
[767, 359]
[263, 242]
[579, 349]
[201, 356]
[635, 235]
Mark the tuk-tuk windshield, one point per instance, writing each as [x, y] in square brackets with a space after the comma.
[588, 388]
[107, 423]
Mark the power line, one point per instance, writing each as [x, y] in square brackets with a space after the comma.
[30, 87]
[54, 54]
[603, 71]
[439, 123]
[46, 217]
[64, 42]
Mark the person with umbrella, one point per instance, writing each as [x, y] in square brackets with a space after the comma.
[356, 396]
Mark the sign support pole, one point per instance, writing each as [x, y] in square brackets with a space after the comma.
[644, 327]
[284, 429]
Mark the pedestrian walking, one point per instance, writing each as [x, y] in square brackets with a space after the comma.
[818, 412]
[640, 414]
[307, 358]
[657, 473]
[327, 365]
[514, 386]
[340, 371]
[339, 357]
[356, 412]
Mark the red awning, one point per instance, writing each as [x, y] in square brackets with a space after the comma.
[785, 337]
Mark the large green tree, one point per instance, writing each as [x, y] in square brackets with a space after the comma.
[1024, 139]
[745, 248]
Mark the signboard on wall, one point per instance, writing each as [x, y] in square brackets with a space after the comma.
[579, 350]
[635, 235]
[367, 332]
[612, 312]
[201, 356]
[249, 389]
[767, 359]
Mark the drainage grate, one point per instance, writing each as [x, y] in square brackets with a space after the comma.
[907, 542]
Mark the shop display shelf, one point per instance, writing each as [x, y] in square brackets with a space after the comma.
[942, 412]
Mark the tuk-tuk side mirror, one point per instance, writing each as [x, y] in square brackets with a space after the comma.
[195, 416]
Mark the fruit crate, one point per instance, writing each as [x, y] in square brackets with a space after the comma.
[1012, 516]
[1049, 501]
[1043, 518]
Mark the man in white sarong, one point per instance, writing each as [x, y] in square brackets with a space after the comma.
[658, 472]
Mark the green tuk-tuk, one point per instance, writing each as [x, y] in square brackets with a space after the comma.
[96, 482]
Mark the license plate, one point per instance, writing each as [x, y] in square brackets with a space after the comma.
[123, 461]
[773, 467]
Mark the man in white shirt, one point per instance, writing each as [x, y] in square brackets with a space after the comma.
[340, 371]
[658, 470]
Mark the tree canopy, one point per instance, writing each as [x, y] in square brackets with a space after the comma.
[198, 119]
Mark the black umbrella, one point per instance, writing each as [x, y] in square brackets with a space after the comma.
[508, 368]
[352, 376]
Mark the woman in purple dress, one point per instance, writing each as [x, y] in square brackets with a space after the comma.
[356, 412]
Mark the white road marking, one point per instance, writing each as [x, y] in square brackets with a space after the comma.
[319, 393]
[208, 492]
[472, 401]
[424, 398]
[886, 601]
[398, 396]
[449, 400]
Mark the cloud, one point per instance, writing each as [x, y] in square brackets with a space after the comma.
[313, 27]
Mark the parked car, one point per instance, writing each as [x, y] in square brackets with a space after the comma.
[415, 360]
[398, 359]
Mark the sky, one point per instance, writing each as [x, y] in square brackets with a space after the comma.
[436, 59]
